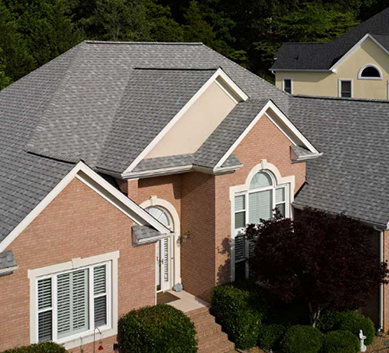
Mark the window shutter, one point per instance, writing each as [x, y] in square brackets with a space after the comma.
[100, 295]
[45, 311]
[63, 305]
[80, 300]
[260, 206]
[239, 248]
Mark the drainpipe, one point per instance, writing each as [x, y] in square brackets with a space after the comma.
[381, 305]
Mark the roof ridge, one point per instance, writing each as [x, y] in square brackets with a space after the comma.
[140, 43]
[176, 68]
[341, 98]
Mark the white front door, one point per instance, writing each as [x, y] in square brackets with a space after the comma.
[163, 258]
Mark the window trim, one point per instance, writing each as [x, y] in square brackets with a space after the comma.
[360, 77]
[291, 84]
[235, 190]
[77, 264]
[340, 87]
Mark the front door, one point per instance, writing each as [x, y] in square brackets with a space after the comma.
[163, 258]
[162, 272]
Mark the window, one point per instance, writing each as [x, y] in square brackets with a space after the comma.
[287, 85]
[257, 203]
[345, 88]
[73, 302]
[370, 72]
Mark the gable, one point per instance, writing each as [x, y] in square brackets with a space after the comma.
[195, 126]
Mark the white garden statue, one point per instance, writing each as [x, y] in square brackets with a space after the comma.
[362, 339]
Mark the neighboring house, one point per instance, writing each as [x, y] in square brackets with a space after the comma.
[106, 131]
[354, 65]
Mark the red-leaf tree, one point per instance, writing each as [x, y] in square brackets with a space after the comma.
[328, 261]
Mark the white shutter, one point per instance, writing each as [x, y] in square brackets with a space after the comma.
[166, 260]
[260, 206]
[100, 295]
[45, 311]
[63, 305]
[80, 300]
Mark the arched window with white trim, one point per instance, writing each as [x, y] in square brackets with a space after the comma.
[370, 72]
[258, 202]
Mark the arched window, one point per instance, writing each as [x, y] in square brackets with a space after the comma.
[259, 202]
[161, 215]
[370, 72]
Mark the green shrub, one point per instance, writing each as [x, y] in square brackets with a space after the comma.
[340, 342]
[159, 328]
[302, 339]
[329, 321]
[239, 309]
[46, 347]
[270, 336]
[353, 321]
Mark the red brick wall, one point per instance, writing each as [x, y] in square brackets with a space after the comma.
[264, 141]
[78, 223]
[202, 201]
[198, 218]
[386, 288]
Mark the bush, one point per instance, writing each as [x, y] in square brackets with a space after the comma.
[159, 328]
[353, 321]
[270, 336]
[240, 309]
[340, 342]
[329, 321]
[302, 339]
[46, 347]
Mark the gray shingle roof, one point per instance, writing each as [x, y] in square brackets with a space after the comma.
[7, 260]
[321, 56]
[351, 175]
[117, 107]
[144, 233]
[25, 179]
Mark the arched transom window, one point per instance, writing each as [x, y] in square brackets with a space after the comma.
[370, 72]
[258, 202]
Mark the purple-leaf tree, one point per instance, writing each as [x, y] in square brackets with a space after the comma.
[328, 261]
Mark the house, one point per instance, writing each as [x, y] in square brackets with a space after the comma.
[129, 168]
[354, 65]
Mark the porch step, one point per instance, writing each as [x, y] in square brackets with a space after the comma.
[209, 336]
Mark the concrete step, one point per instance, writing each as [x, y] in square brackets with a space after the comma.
[209, 336]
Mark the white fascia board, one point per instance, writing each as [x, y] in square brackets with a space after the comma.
[218, 73]
[354, 49]
[76, 172]
[283, 118]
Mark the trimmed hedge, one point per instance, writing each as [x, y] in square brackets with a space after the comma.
[45, 347]
[340, 342]
[159, 328]
[351, 321]
[270, 336]
[239, 309]
[302, 339]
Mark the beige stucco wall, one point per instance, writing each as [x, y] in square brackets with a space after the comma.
[326, 84]
[195, 126]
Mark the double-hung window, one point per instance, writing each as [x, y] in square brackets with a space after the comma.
[251, 206]
[287, 85]
[74, 303]
[345, 88]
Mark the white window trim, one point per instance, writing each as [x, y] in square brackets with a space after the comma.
[340, 87]
[370, 78]
[388, 89]
[85, 337]
[240, 189]
[291, 84]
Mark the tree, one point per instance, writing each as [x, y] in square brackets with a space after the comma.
[327, 261]
[4, 79]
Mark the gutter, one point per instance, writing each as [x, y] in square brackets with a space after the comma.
[151, 240]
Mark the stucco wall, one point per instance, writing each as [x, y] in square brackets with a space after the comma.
[326, 84]
[78, 223]
[195, 126]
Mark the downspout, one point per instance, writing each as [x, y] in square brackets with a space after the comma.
[381, 295]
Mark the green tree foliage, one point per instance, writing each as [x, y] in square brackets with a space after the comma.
[247, 31]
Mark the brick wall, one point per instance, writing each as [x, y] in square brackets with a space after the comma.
[386, 288]
[78, 223]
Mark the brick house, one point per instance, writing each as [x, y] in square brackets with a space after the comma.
[128, 168]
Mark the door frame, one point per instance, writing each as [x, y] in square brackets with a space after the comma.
[175, 246]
